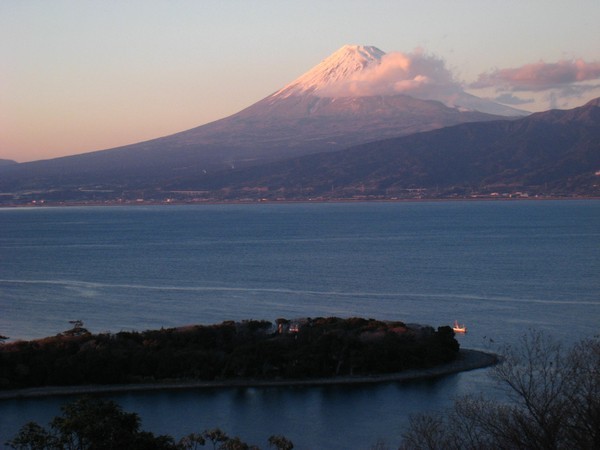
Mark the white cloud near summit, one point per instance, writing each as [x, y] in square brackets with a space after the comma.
[415, 73]
[426, 76]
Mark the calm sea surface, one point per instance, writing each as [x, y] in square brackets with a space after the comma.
[500, 267]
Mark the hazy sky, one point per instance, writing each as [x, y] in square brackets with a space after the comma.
[77, 76]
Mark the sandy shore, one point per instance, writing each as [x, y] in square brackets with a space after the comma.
[467, 360]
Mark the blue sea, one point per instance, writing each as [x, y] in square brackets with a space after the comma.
[501, 267]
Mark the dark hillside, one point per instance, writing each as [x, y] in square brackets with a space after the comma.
[555, 152]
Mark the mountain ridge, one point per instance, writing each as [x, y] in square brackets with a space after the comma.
[549, 154]
[6, 162]
[556, 152]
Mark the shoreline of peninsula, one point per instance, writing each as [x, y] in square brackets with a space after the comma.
[467, 360]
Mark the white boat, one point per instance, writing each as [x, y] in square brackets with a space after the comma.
[459, 328]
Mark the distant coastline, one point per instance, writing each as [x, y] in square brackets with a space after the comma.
[467, 360]
[49, 204]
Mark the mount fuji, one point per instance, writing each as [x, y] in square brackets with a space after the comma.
[331, 107]
[366, 71]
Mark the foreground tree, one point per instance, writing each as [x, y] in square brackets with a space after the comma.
[192, 441]
[553, 403]
[90, 424]
[32, 436]
[96, 424]
[280, 442]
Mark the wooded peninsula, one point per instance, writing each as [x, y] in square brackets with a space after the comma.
[249, 350]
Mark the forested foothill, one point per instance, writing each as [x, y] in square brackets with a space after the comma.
[253, 350]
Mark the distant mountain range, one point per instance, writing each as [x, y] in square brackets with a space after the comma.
[549, 153]
[303, 141]
[5, 162]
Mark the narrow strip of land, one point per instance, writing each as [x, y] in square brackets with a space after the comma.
[466, 360]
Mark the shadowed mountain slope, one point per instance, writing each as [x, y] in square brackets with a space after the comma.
[551, 152]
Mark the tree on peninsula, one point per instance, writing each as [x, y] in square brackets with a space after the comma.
[313, 348]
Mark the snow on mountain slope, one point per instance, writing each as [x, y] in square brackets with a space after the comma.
[366, 71]
[338, 67]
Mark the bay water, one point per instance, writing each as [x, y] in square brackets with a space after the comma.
[501, 267]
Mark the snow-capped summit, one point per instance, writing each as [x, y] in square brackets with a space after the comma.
[337, 67]
[361, 71]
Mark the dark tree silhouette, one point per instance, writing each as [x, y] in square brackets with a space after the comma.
[192, 441]
[320, 347]
[90, 424]
[95, 424]
[280, 442]
[215, 436]
[553, 403]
